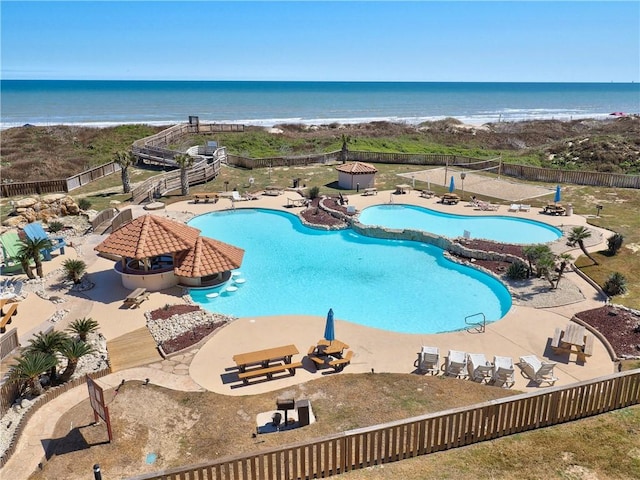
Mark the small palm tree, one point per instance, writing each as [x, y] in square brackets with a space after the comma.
[26, 372]
[544, 266]
[564, 259]
[344, 151]
[33, 247]
[125, 160]
[579, 235]
[83, 326]
[49, 343]
[73, 351]
[74, 269]
[25, 259]
[184, 161]
[614, 243]
[616, 284]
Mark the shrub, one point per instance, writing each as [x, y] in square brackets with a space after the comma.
[314, 192]
[84, 204]
[517, 271]
[83, 326]
[614, 243]
[616, 284]
[55, 226]
[74, 269]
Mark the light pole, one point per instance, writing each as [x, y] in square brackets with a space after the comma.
[598, 208]
[462, 176]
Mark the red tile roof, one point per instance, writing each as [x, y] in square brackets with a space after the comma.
[356, 168]
[149, 236]
[207, 257]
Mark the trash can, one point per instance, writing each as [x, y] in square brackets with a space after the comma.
[569, 210]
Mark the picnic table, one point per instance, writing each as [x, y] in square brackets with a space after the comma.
[450, 198]
[573, 339]
[554, 209]
[403, 188]
[265, 357]
[135, 298]
[370, 191]
[332, 348]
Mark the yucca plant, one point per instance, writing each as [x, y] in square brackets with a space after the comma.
[614, 243]
[26, 372]
[73, 351]
[616, 284]
[74, 269]
[517, 271]
[83, 326]
[55, 226]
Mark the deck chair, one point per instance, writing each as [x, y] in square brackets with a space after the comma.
[536, 370]
[235, 196]
[35, 232]
[479, 369]
[456, 365]
[428, 360]
[503, 374]
[514, 207]
[11, 244]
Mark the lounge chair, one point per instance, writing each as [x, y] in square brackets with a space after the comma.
[479, 369]
[235, 196]
[525, 208]
[428, 360]
[456, 365]
[514, 207]
[536, 370]
[503, 372]
[11, 244]
[35, 232]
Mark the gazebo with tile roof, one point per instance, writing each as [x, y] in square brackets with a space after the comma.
[157, 253]
[355, 175]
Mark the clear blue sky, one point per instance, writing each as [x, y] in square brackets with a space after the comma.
[351, 41]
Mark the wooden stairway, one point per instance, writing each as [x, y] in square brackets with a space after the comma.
[133, 349]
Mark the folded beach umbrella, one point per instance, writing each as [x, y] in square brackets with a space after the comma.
[557, 197]
[452, 185]
[329, 327]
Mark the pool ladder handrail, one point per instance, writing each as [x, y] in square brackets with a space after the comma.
[480, 327]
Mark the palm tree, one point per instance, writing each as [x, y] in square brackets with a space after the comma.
[616, 284]
[49, 343]
[533, 254]
[184, 161]
[614, 243]
[25, 259]
[74, 268]
[579, 235]
[28, 369]
[344, 151]
[564, 259]
[544, 266]
[82, 327]
[125, 160]
[73, 351]
[32, 247]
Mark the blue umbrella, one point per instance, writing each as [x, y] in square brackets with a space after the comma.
[452, 185]
[329, 328]
[556, 199]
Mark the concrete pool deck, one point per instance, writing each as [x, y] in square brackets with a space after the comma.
[523, 331]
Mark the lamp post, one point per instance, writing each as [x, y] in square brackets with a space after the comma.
[462, 176]
[598, 208]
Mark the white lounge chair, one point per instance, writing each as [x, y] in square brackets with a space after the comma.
[479, 369]
[235, 196]
[537, 371]
[428, 360]
[456, 365]
[503, 372]
[514, 207]
[525, 208]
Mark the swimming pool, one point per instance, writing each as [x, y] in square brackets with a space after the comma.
[491, 227]
[290, 269]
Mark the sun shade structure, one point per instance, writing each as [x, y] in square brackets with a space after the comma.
[356, 174]
[208, 257]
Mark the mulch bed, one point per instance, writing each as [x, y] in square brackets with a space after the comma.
[188, 339]
[171, 310]
[316, 216]
[620, 327]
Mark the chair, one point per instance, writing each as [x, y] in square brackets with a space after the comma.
[525, 208]
[456, 365]
[236, 197]
[478, 367]
[536, 370]
[503, 372]
[514, 207]
[11, 244]
[35, 232]
[428, 360]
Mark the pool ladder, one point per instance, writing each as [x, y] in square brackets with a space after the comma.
[478, 327]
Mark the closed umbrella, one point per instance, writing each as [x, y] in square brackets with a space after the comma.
[556, 199]
[329, 328]
[452, 185]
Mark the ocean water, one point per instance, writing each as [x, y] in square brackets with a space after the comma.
[104, 103]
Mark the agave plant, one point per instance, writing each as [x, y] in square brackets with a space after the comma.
[73, 351]
[74, 269]
[26, 372]
[83, 326]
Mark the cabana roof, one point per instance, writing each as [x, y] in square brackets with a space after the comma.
[356, 168]
[208, 257]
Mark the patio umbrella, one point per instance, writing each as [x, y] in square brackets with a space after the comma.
[452, 185]
[556, 199]
[329, 328]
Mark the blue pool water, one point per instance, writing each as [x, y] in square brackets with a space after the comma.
[498, 228]
[291, 269]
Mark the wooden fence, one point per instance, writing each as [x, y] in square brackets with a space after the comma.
[394, 441]
[49, 395]
[8, 343]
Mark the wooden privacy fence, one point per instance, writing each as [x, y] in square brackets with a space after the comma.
[390, 442]
[8, 343]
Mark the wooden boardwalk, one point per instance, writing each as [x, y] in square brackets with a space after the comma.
[133, 349]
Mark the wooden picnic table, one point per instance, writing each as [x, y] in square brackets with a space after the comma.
[332, 348]
[403, 188]
[265, 357]
[573, 339]
[450, 198]
[135, 298]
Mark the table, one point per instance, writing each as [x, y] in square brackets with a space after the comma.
[450, 198]
[265, 357]
[554, 210]
[403, 188]
[573, 339]
[333, 348]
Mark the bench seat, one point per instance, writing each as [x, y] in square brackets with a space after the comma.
[269, 371]
[206, 197]
[555, 342]
[339, 363]
[6, 318]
